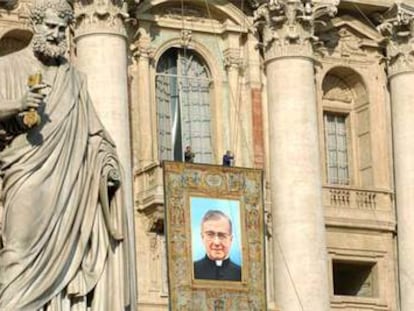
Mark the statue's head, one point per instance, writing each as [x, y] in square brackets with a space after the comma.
[50, 20]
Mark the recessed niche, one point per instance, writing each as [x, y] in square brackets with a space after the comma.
[354, 278]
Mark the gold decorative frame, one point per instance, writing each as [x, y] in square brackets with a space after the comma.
[182, 181]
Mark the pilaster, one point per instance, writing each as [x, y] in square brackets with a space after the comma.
[142, 53]
[398, 28]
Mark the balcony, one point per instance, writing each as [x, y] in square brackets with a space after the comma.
[345, 206]
[356, 207]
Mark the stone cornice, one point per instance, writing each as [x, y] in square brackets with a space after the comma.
[398, 28]
[287, 27]
[102, 16]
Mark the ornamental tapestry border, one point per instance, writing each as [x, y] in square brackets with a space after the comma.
[215, 237]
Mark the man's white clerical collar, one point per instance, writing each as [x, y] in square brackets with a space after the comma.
[219, 263]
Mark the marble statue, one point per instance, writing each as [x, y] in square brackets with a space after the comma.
[64, 230]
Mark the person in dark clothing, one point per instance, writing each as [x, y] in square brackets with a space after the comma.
[189, 155]
[217, 236]
[228, 158]
[207, 269]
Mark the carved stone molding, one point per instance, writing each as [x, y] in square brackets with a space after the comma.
[188, 14]
[102, 16]
[287, 27]
[154, 219]
[186, 37]
[398, 28]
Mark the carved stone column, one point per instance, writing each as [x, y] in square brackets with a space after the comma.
[398, 28]
[232, 64]
[300, 255]
[143, 54]
[101, 53]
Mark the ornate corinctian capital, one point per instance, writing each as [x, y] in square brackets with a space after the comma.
[142, 48]
[101, 16]
[398, 27]
[232, 59]
[287, 27]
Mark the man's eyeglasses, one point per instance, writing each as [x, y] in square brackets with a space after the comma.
[210, 235]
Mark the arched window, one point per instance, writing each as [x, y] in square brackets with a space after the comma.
[346, 120]
[183, 106]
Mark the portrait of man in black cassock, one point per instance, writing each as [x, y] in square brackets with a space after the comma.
[217, 237]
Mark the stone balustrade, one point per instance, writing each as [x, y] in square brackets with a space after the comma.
[357, 198]
[359, 208]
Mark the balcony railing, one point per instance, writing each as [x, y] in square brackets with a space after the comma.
[359, 208]
[357, 198]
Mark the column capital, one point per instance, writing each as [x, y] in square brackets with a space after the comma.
[103, 16]
[232, 59]
[397, 26]
[288, 26]
[142, 49]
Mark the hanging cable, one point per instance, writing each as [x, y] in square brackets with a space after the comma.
[218, 52]
[184, 64]
[292, 281]
[235, 97]
[238, 126]
[364, 15]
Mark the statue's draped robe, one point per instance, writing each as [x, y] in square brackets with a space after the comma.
[64, 239]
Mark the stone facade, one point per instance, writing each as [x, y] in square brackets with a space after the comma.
[318, 94]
